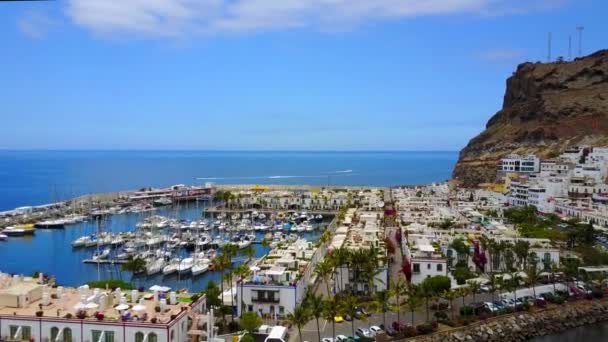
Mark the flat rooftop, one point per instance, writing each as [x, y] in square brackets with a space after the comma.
[99, 300]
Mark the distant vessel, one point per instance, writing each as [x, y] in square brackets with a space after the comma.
[162, 202]
[19, 230]
[50, 224]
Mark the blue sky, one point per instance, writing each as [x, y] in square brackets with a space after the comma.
[270, 74]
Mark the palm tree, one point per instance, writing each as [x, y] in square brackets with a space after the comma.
[242, 271]
[474, 286]
[380, 303]
[450, 295]
[249, 252]
[425, 293]
[219, 264]
[331, 309]
[521, 250]
[230, 250]
[397, 290]
[493, 283]
[463, 292]
[532, 276]
[349, 305]
[299, 318]
[315, 307]
[554, 269]
[134, 265]
[514, 284]
[324, 270]
[413, 300]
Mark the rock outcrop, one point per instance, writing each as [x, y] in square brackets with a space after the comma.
[523, 326]
[547, 107]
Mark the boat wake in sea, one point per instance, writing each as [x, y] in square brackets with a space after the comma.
[340, 172]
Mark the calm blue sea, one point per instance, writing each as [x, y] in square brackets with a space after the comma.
[38, 177]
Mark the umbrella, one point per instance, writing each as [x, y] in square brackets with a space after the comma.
[139, 307]
[160, 288]
[79, 306]
[91, 306]
[121, 307]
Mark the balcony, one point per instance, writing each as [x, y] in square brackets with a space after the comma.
[265, 299]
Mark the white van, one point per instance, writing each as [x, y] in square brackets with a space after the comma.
[277, 334]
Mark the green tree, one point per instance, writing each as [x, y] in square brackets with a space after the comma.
[413, 300]
[381, 303]
[315, 307]
[450, 295]
[212, 295]
[250, 321]
[324, 270]
[349, 305]
[249, 252]
[474, 286]
[397, 289]
[134, 265]
[331, 309]
[521, 250]
[242, 272]
[299, 317]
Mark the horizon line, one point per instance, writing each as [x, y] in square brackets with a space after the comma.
[213, 150]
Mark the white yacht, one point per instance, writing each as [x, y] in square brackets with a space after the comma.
[200, 266]
[171, 267]
[155, 266]
[185, 265]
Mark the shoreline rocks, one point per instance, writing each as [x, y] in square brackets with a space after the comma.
[523, 326]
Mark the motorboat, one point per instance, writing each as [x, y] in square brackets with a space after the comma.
[155, 266]
[51, 224]
[81, 241]
[3, 237]
[171, 267]
[185, 265]
[200, 266]
[18, 231]
[101, 255]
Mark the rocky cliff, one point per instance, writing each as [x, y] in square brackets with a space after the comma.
[547, 107]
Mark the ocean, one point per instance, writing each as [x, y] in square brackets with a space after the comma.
[39, 177]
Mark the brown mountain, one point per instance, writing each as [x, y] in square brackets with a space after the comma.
[547, 107]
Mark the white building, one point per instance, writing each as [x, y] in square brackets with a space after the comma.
[425, 261]
[520, 164]
[34, 312]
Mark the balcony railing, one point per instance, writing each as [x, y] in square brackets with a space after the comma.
[265, 300]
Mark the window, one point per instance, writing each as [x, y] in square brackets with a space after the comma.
[281, 310]
[416, 268]
[172, 335]
[67, 335]
[428, 266]
[54, 333]
[23, 332]
[152, 337]
[139, 336]
[102, 336]
[439, 268]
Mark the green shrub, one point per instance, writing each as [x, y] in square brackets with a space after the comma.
[425, 328]
[234, 326]
[112, 284]
[466, 311]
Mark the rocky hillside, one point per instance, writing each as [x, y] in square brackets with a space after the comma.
[547, 107]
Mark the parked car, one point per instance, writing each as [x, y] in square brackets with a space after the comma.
[348, 318]
[338, 319]
[341, 338]
[327, 339]
[500, 305]
[390, 331]
[490, 307]
[363, 332]
[375, 330]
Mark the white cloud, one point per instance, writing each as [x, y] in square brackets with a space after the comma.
[185, 17]
[502, 55]
[35, 25]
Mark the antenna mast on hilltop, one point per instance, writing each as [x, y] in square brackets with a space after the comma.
[580, 40]
[549, 48]
[569, 48]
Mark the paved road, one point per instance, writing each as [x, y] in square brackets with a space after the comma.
[309, 332]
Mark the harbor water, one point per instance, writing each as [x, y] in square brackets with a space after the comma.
[589, 333]
[50, 251]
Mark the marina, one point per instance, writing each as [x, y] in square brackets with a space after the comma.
[177, 243]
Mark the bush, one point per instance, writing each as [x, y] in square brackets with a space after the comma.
[195, 297]
[234, 326]
[597, 294]
[247, 338]
[113, 284]
[441, 315]
[409, 331]
[558, 300]
[424, 329]
[466, 311]
[439, 306]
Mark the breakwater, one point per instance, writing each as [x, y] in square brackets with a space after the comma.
[525, 325]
